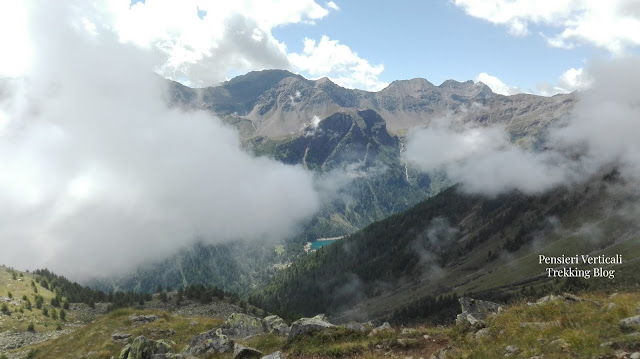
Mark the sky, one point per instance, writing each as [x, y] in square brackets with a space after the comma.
[511, 45]
[86, 135]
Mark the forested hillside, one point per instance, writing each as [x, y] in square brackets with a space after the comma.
[451, 243]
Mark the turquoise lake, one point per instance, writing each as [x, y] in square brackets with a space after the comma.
[317, 244]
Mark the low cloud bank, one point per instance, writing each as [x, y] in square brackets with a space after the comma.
[98, 174]
[600, 132]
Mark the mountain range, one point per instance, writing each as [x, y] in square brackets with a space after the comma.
[352, 140]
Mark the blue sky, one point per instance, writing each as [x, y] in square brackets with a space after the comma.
[436, 40]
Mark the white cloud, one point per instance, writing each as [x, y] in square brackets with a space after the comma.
[13, 37]
[571, 80]
[339, 63]
[600, 133]
[97, 174]
[575, 80]
[233, 37]
[613, 25]
[497, 85]
[481, 158]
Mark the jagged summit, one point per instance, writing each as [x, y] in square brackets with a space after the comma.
[271, 76]
[455, 84]
[279, 103]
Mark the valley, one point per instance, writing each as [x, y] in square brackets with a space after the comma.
[353, 141]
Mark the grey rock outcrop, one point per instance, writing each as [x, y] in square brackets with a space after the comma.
[309, 325]
[276, 325]
[213, 341]
[510, 350]
[630, 323]
[120, 337]
[143, 348]
[143, 318]
[475, 311]
[243, 352]
[240, 325]
[274, 355]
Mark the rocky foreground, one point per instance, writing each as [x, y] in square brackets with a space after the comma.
[556, 326]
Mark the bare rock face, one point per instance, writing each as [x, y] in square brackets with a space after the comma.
[143, 348]
[276, 103]
[242, 352]
[475, 311]
[274, 355]
[120, 337]
[275, 324]
[630, 323]
[240, 325]
[143, 318]
[209, 342]
[309, 325]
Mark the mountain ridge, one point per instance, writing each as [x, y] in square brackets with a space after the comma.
[278, 103]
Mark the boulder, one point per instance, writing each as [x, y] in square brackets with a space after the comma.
[209, 342]
[475, 311]
[120, 337]
[510, 350]
[309, 325]
[240, 325]
[143, 318]
[274, 355]
[383, 328]
[143, 348]
[567, 297]
[242, 352]
[276, 325]
[630, 323]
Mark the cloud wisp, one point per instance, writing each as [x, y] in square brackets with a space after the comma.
[600, 132]
[612, 25]
[98, 174]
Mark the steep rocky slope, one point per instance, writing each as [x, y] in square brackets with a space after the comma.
[277, 103]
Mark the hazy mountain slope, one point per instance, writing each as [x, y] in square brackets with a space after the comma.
[356, 156]
[457, 242]
[358, 163]
[233, 267]
[345, 137]
[276, 103]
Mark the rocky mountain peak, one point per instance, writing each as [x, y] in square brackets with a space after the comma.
[264, 76]
[279, 103]
[324, 82]
[408, 87]
[453, 84]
